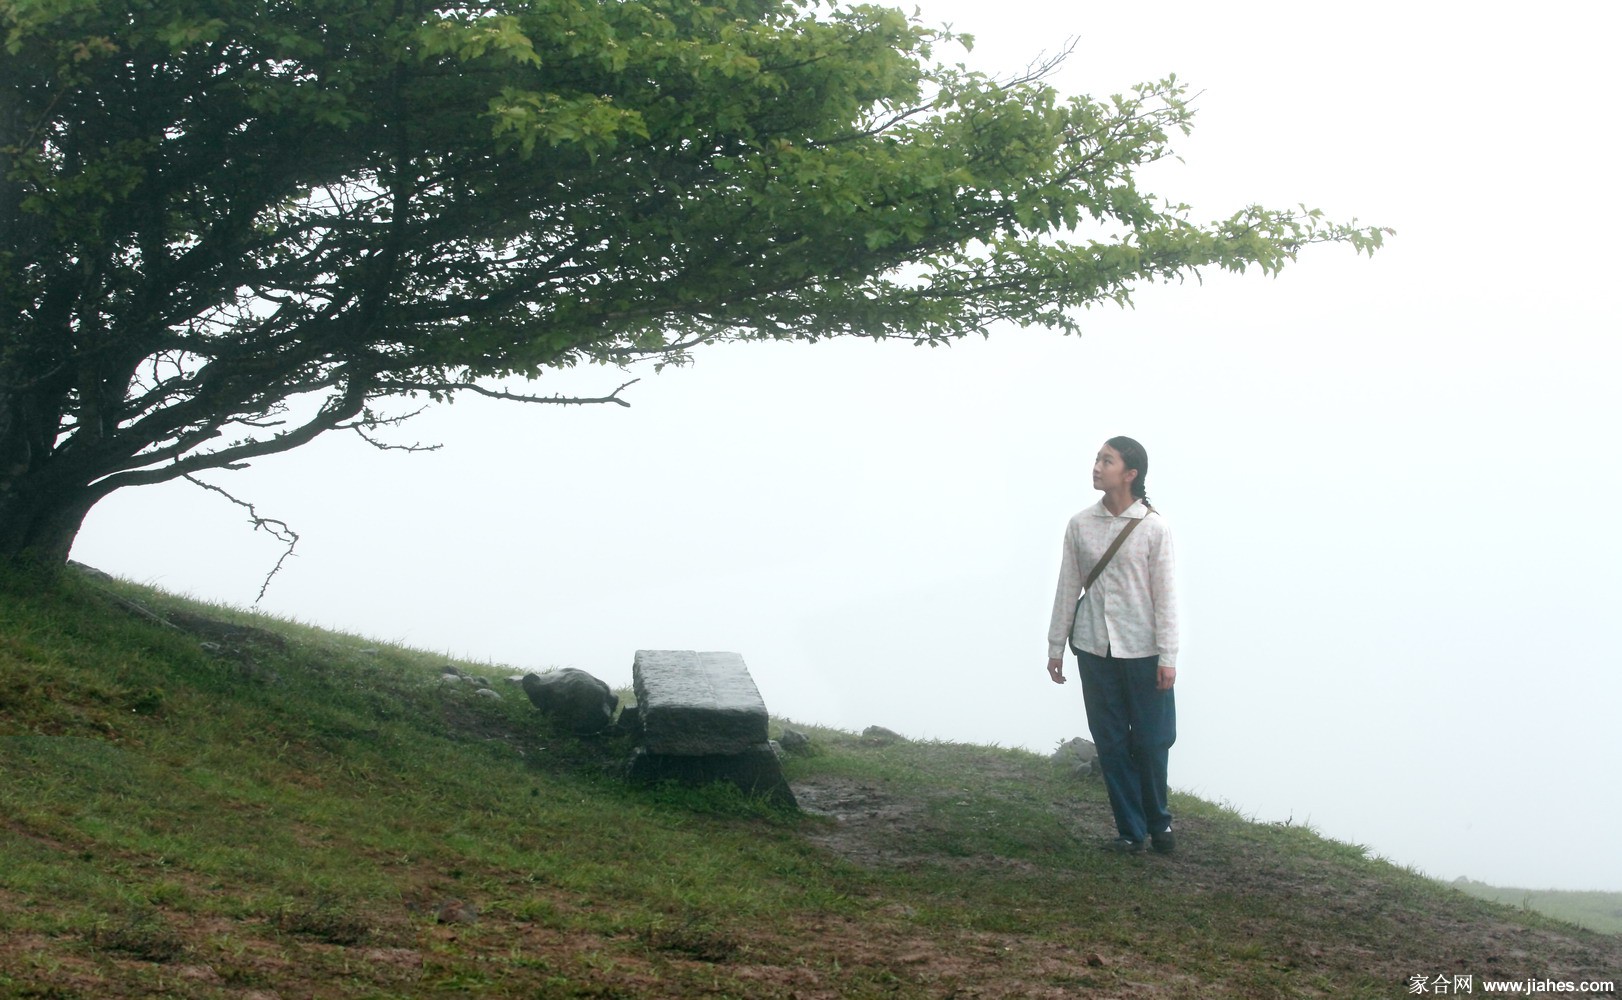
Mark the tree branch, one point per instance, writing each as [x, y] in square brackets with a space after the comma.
[336, 410]
[450, 387]
[277, 528]
[370, 421]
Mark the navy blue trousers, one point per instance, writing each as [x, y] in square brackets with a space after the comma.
[1133, 727]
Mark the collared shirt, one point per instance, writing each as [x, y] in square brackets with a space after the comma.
[1131, 610]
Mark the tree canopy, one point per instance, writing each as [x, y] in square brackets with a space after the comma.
[229, 226]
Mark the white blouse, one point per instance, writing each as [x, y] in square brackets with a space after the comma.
[1131, 610]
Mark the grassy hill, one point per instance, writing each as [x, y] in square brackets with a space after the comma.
[198, 803]
[1600, 911]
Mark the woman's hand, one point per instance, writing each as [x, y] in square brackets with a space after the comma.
[1056, 670]
[1165, 678]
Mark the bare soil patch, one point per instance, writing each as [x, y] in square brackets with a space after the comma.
[1402, 934]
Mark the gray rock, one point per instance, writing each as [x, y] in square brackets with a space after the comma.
[573, 699]
[456, 911]
[225, 635]
[878, 736]
[450, 674]
[91, 571]
[487, 692]
[694, 704]
[795, 742]
[1079, 756]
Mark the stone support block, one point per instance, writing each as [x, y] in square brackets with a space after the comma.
[757, 771]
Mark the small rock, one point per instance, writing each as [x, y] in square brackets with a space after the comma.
[878, 736]
[455, 911]
[486, 692]
[795, 742]
[91, 571]
[1078, 755]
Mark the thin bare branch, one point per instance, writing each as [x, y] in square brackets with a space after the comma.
[1042, 67]
[277, 528]
[449, 387]
[385, 446]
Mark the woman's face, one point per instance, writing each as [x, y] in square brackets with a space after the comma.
[1110, 473]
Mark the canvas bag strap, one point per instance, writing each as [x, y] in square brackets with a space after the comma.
[1113, 546]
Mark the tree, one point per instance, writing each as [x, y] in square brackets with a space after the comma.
[230, 226]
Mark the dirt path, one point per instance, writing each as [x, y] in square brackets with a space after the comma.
[1403, 933]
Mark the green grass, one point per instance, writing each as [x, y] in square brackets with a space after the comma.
[253, 805]
[1599, 911]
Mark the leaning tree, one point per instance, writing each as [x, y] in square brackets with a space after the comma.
[230, 226]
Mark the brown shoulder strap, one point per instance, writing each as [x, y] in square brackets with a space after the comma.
[1113, 546]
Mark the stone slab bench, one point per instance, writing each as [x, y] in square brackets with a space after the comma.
[702, 720]
[697, 703]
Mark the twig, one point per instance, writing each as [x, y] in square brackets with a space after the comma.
[449, 387]
[277, 528]
[369, 421]
[385, 446]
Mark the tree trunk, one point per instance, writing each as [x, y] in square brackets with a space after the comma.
[41, 506]
[38, 524]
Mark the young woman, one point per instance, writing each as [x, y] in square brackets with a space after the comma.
[1124, 634]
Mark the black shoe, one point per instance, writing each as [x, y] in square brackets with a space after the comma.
[1121, 845]
[1163, 843]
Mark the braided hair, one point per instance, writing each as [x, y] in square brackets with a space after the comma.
[1133, 456]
